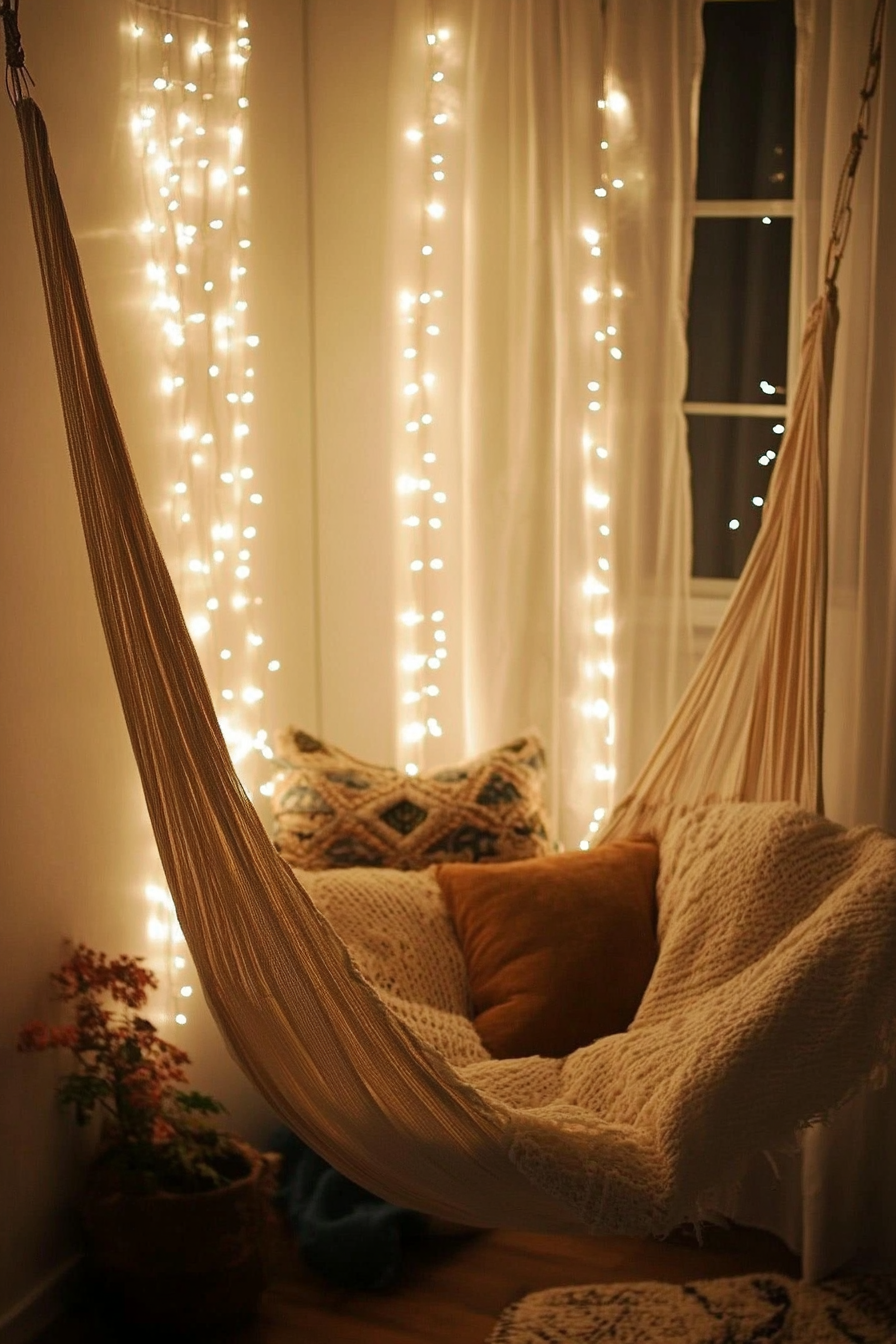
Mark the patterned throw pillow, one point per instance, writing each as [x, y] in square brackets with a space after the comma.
[334, 811]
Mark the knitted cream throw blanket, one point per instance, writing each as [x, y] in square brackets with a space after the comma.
[773, 998]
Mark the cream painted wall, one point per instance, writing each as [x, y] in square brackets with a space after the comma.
[74, 836]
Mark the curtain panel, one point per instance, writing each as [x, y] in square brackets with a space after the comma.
[519, 356]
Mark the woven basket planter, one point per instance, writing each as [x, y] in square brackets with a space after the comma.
[184, 1262]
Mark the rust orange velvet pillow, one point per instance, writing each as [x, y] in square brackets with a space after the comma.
[558, 950]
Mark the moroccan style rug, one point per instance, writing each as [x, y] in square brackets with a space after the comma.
[753, 1309]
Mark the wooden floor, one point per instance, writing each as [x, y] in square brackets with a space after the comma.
[452, 1290]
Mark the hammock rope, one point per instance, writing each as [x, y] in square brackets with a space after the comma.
[316, 1038]
[842, 219]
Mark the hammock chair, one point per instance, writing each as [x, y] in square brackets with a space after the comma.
[742, 1036]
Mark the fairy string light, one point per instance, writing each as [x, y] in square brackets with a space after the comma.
[422, 500]
[188, 128]
[603, 296]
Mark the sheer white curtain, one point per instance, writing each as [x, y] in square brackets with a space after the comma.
[520, 352]
[849, 1168]
[836, 1201]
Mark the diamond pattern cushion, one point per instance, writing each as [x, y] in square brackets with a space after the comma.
[333, 811]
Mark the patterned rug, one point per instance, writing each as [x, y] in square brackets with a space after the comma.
[754, 1309]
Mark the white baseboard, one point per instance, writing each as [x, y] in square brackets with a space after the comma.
[43, 1304]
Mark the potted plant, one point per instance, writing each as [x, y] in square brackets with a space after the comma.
[174, 1208]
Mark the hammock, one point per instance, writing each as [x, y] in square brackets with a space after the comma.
[793, 1000]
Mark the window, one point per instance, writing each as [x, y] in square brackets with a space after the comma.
[740, 300]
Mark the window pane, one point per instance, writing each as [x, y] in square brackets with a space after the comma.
[746, 101]
[737, 323]
[730, 471]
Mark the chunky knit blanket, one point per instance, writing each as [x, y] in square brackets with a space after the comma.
[773, 998]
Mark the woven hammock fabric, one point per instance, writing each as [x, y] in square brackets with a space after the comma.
[750, 724]
[633, 1133]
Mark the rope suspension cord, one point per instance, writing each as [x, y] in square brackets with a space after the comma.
[17, 76]
[842, 218]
